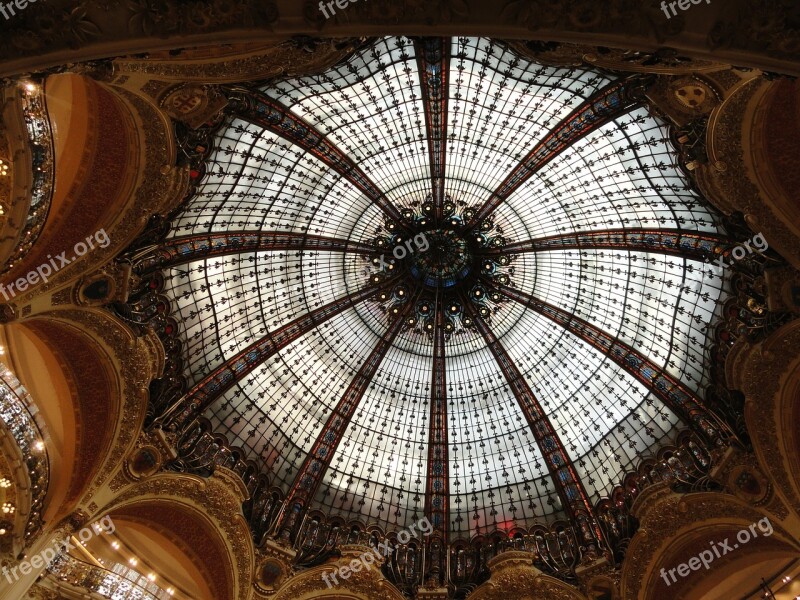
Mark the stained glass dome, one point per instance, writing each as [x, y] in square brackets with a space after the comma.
[441, 279]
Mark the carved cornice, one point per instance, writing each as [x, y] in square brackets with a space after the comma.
[50, 33]
[665, 62]
[761, 378]
[242, 63]
[39, 592]
[515, 571]
[365, 584]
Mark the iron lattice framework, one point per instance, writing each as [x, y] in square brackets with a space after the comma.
[442, 280]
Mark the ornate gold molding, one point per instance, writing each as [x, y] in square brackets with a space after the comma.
[729, 180]
[366, 584]
[218, 496]
[58, 31]
[668, 516]
[761, 374]
[237, 63]
[514, 571]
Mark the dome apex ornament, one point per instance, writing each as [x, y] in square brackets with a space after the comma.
[438, 261]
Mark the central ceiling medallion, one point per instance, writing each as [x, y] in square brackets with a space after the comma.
[443, 262]
[440, 262]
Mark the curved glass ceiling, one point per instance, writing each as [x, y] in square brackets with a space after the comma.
[500, 163]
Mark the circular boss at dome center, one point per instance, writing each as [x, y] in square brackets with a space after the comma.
[442, 261]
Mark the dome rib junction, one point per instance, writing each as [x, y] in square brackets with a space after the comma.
[440, 279]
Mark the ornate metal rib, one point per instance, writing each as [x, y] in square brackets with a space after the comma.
[203, 394]
[673, 393]
[310, 475]
[663, 241]
[433, 59]
[568, 485]
[185, 249]
[277, 118]
[610, 102]
[437, 490]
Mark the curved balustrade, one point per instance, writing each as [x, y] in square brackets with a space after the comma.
[200, 451]
[554, 549]
[40, 142]
[21, 419]
[121, 583]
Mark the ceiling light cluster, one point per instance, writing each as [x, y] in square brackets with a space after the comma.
[451, 267]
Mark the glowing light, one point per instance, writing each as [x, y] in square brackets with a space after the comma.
[115, 545]
[133, 561]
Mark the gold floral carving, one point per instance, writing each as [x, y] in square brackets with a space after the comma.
[38, 38]
[38, 592]
[242, 63]
[162, 187]
[783, 284]
[513, 572]
[734, 463]
[761, 377]
[563, 54]
[62, 297]
[665, 516]
[726, 180]
[365, 584]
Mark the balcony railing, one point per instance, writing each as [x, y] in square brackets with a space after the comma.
[40, 146]
[23, 422]
[121, 583]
